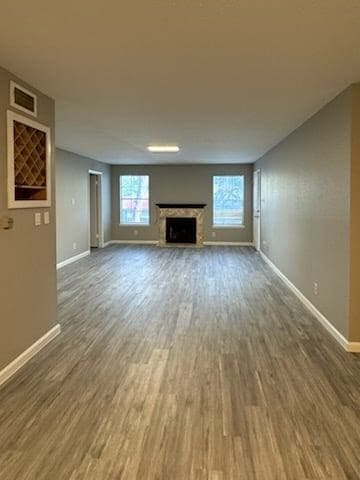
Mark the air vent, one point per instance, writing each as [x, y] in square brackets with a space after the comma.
[22, 99]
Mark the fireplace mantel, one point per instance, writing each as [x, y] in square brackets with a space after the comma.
[183, 210]
[181, 205]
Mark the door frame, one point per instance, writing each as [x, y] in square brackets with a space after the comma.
[99, 177]
[257, 213]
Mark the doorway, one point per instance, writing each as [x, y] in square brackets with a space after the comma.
[96, 237]
[257, 210]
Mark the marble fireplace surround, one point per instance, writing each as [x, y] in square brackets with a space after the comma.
[183, 210]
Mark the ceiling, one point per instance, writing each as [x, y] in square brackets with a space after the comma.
[224, 79]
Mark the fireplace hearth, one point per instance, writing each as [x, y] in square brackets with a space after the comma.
[181, 230]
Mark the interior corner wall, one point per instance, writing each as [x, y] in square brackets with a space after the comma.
[73, 220]
[305, 222]
[354, 325]
[28, 257]
[178, 184]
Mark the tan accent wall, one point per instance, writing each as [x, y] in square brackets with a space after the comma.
[354, 322]
[27, 253]
[73, 182]
[182, 183]
[305, 223]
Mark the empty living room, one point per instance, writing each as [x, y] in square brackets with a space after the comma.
[180, 240]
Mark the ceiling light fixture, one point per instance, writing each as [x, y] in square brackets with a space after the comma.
[163, 148]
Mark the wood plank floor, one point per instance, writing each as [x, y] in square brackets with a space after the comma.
[182, 364]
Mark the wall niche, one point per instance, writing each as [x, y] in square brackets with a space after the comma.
[29, 153]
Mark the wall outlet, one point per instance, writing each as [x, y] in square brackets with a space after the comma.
[316, 288]
[74, 246]
[136, 233]
[46, 218]
[73, 201]
[213, 234]
[37, 219]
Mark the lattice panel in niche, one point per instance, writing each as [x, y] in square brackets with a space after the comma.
[29, 147]
[30, 156]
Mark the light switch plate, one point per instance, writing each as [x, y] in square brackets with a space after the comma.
[46, 218]
[37, 219]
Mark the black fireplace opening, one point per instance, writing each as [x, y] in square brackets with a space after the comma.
[180, 230]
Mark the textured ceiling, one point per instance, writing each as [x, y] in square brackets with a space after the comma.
[226, 80]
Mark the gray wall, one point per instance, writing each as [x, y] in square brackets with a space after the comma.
[27, 272]
[305, 208]
[73, 182]
[181, 183]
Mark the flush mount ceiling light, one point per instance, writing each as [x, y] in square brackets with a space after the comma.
[163, 148]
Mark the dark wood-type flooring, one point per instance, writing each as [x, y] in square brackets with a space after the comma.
[182, 364]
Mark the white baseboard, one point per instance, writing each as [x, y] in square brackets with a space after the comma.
[132, 242]
[353, 347]
[348, 346]
[155, 242]
[72, 259]
[22, 359]
[230, 244]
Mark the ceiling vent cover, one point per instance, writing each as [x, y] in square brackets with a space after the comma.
[22, 99]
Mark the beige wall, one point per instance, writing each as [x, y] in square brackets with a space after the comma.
[73, 221]
[354, 333]
[182, 183]
[306, 210]
[27, 272]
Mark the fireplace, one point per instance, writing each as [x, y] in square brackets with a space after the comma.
[181, 230]
[181, 224]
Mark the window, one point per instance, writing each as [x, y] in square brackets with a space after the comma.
[228, 200]
[134, 199]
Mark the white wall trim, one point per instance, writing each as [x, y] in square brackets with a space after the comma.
[135, 242]
[348, 346]
[230, 244]
[72, 259]
[23, 358]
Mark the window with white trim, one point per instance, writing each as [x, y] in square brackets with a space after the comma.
[228, 200]
[134, 200]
